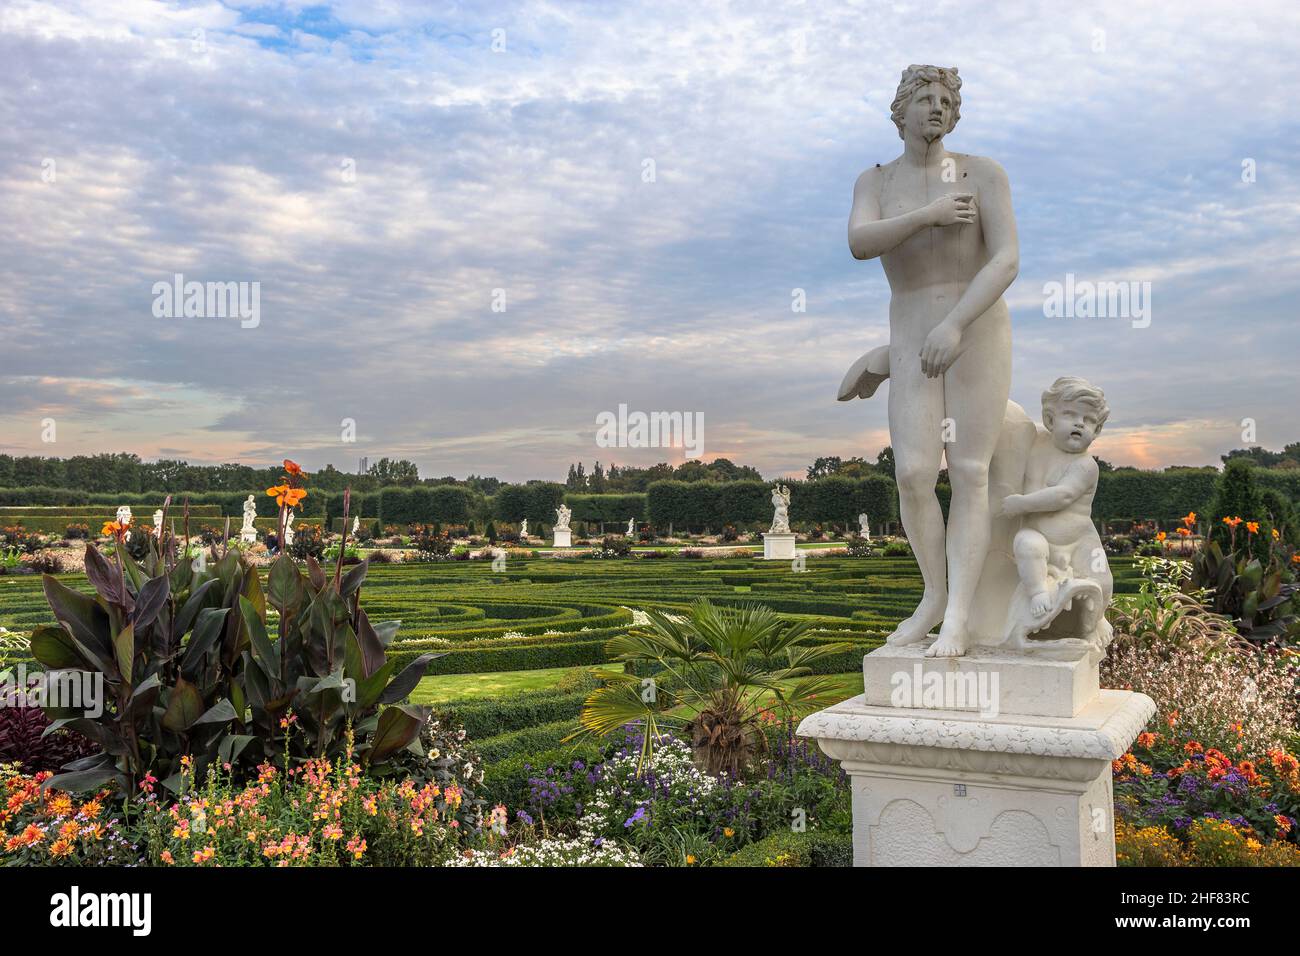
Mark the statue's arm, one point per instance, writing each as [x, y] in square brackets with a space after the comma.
[870, 235]
[1078, 480]
[999, 224]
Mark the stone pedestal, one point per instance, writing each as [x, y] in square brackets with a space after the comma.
[778, 545]
[563, 538]
[249, 536]
[940, 779]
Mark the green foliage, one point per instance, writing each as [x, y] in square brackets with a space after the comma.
[190, 669]
[727, 670]
[1259, 597]
[786, 848]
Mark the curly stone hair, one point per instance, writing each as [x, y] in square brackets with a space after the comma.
[915, 77]
[1071, 388]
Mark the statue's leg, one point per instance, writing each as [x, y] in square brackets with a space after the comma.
[975, 398]
[915, 431]
[1031, 551]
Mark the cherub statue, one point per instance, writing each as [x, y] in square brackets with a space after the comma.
[1058, 553]
[523, 528]
[781, 504]
[562, 516]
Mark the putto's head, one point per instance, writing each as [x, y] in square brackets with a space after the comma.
[928, 101]
[1074, 411]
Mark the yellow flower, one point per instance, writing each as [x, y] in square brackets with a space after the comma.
[690, 859]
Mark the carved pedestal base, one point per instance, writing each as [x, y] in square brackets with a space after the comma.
[953, 788]
[248, 537]
[778, 546]
[563, 538]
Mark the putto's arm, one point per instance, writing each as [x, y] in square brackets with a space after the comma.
[1077, 481]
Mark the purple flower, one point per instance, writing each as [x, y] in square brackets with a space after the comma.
[638, 817]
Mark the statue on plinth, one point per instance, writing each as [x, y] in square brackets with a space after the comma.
[248, 533]
[562, 516]
[781, 510]
[631, 527]
[523, 528]
[864, 525]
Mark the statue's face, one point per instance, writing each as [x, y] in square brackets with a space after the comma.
[929, 114]
[1073, 426]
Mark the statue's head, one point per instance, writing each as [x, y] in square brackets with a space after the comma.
[928, 101]
[1074, 411]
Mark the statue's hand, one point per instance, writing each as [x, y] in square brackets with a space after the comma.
[941, 348]
[1013, 505]
[953, 209]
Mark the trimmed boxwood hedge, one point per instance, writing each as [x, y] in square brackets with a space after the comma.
[812, 848]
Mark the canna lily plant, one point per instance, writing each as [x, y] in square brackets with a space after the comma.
[192, 674]
[721, 672]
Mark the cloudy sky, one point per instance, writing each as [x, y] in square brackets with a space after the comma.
[379, 168]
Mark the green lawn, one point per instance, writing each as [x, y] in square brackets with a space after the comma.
[499, 684]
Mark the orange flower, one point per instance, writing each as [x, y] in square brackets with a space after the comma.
[293, 497]
[292, 467]
[1147, 739]
[115, 528]
[1185, 532]
[1232, 522]
[1189, 520]
[1252, 527]
[1173, 718]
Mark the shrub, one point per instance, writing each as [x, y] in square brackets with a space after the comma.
[1223, 694]
[429, 543]
[786, 848]
[191, 673]
[308, 542]
[23, 740]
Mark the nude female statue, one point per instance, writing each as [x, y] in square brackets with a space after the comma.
[941, 224]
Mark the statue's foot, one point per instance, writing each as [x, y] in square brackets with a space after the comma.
[923, 620]
[1040, 604]
[951, 642]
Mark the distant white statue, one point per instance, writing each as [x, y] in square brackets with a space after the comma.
[631, 527]
[288, 529]
[124, 515]
[157, 523]
[781, 504]
[864, 526]
[248, 533]
[562, 516]
[356, 525]
[523, 528]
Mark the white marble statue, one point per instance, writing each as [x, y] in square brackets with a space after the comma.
[562, 516]
[288, 529]
[523, 528]
[942, 225]
[781, 510]
[1065, 581]
[631, 527]
[356, 525]
[247, 532]
[157, 523]
[864, 525]
[124, 515]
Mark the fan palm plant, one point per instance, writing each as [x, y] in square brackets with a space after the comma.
[719, 670]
